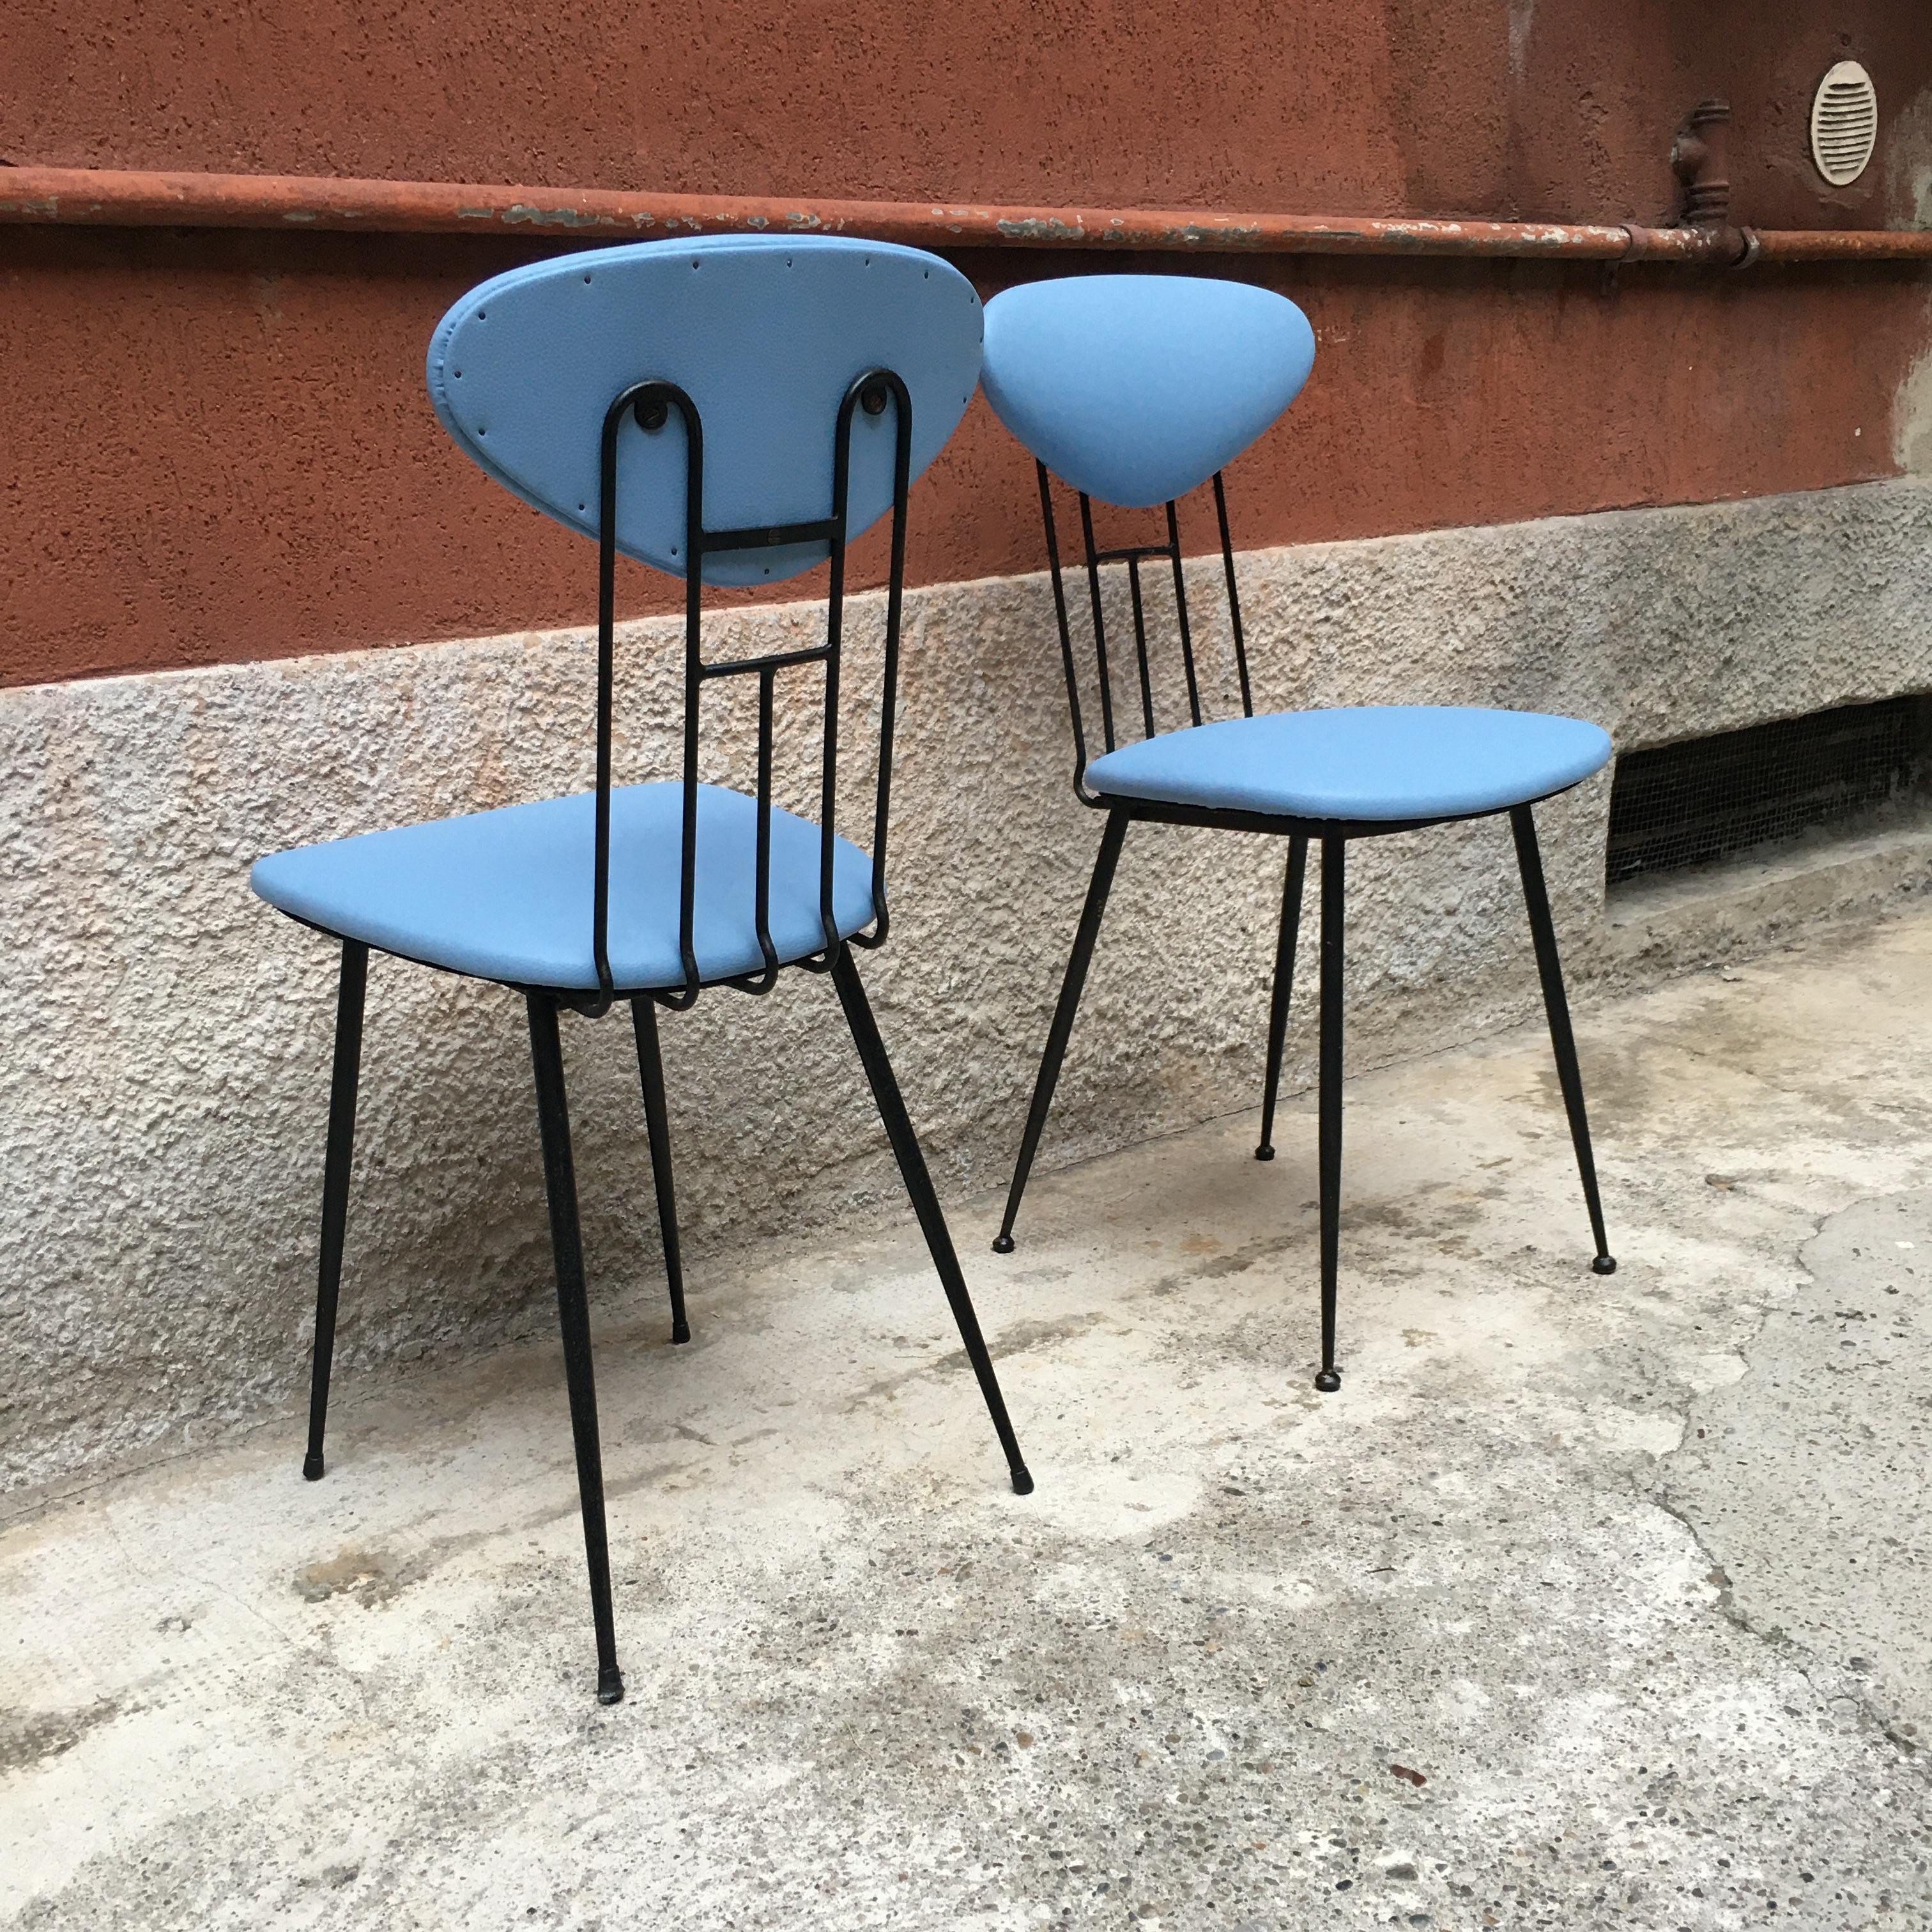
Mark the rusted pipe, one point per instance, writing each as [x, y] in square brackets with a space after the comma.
[110, 198]
[1700, 159]
[1841, 244]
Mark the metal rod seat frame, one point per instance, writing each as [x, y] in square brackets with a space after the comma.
[1333, 837]
[648, 403]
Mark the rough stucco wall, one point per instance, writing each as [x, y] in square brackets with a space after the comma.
[164, 1045]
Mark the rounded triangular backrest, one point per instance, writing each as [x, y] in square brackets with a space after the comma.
[1137, 389]
[764, 333]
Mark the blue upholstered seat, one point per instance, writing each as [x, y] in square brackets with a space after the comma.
[1136, 390]
[505, 894]
[731, 410]
[766, 334]
[1366, 762]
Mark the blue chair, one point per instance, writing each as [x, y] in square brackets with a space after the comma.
[761, 401]
[1137, 390]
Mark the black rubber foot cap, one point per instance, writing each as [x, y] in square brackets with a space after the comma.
[680, 1331]
[312, 1468]
[1003, 1244]
[1604, 1264]
[1328, 1380]
[1264, 1152]
[610, 1686]
[1022, 1481]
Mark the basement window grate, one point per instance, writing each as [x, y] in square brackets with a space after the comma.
[1711, 798]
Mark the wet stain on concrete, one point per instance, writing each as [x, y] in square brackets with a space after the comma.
[27, 1741]
[366, 1576]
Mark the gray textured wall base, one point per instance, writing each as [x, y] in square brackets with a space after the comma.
[164, 1038]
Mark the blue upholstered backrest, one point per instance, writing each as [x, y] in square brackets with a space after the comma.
[1137, 389]
[765, 334]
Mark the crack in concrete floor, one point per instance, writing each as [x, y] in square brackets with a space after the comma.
[1580, 1605]
[1795, 1471]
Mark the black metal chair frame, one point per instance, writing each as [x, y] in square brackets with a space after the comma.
[648, 404]
[1333, 836]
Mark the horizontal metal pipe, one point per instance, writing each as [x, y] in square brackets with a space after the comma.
[1842, 245]
[113, 198]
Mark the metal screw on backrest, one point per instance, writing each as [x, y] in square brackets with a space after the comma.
[653, 414]
[872, 399]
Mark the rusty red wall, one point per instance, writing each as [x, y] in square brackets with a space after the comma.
[217, 445]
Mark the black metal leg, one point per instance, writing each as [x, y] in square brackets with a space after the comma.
[1549, 968]
[924, 1201]
[573, 1319]
[657, 1122]
[1284, 985]
[342, 1087]
[1330, 1379]
[1111, 841]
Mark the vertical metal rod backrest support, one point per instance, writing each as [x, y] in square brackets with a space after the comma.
[651, 402]
[1132, 556]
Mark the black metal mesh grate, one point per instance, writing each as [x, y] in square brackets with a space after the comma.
[1710, 798]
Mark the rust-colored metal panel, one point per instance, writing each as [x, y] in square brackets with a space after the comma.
[219, 446]
[1553, 109]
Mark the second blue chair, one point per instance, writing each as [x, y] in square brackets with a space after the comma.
[1137, 390]
[733, 410]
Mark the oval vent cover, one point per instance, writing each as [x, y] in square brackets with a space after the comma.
[1844, 123]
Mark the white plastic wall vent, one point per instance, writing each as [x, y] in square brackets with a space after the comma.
[1844, 123]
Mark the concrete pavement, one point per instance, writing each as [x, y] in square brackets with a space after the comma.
[1587, 1602]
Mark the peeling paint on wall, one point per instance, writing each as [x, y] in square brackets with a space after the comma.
[1911, 415]
[1908, 185]
[1521, 17]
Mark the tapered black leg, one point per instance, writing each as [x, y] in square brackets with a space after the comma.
[657, 1122]
[1330, 1378]
[1111, 841]
[924, 1201]
[342, 1087]
[1284, 985]
[573, 1319]
[1549, 968]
